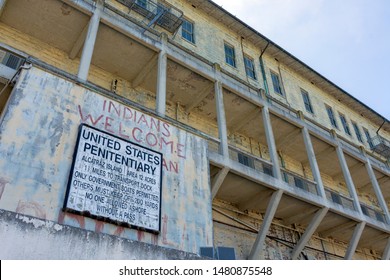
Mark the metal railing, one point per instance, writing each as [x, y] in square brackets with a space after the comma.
[369, 211]
[381, 146]
[346, 202]
[168, 17]
[300, 182]
[251, 161]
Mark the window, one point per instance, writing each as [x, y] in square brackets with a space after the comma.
[267, 170]
[141, 3]
[245, 160]
[276, 83]
[357, 132]
[345, 124]
[332, 119]
[187, 31]
[336, 198]
[249, 67]
[365, 210]
[368, 138]
[230, 56]
[306, 101]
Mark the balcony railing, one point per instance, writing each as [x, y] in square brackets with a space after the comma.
[299, 182]
[337, 198]
[251, 161]
[373, 213]
[381, 146]
[167, 17]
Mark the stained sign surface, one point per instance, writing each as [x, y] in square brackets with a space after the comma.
[115, 179]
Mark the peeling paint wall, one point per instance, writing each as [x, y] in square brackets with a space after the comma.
[26, 237]
[39, 131]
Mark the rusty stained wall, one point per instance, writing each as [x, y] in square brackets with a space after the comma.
[38, 137]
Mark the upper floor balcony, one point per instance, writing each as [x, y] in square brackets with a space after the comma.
[381, 146]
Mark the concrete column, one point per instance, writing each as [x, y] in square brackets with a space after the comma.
[313, 162]
[257, 249]
[218, 180]
[357, 233]
[386, 252]
[161, 94]
[271, 142]
[2, 6]
[221, 118]
[377, 190]
[89, 43]
[347, 175]
[315, 222]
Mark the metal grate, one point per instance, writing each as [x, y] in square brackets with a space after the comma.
[167, 17]
[381, 146]
[10, 60]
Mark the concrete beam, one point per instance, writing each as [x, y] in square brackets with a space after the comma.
[161, 94]
[145, 71]
[221, 117]
[348, 178]
[367, 242]
[377, 190]
[313, 162]
[288, 139]
[258, 199]
[337, 229]
[79, 43]
[299, 217]
[386, 252]
[196, 101]
[271, 143]
[315, 222]
[89, 44]
[218, 180]
[236, 126]
[357, 233]
[380, 181]
[257, 248]
[352, 169]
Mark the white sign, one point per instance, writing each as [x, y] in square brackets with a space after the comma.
[115, 179]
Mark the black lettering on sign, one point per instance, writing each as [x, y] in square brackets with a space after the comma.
[115, 179]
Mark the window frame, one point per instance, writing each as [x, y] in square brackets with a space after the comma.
[368, 138]
[307, 101]
[191, 33]
[331, 116]
[142, 3]
[345, 124]
[277, 88]
[357, 132]
[250, 69]
[232, 56]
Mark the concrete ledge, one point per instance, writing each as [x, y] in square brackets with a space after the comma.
[26, 237]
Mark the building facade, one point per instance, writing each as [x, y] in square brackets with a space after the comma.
[143, 129]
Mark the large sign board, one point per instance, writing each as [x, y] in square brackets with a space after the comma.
[115, 180]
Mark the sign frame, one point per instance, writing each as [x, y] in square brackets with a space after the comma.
[102, 218]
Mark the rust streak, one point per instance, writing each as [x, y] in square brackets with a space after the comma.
[119, 231]
[140, 235]
[99, 225]
[26, 207]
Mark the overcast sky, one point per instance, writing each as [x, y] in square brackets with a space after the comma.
[347, 41]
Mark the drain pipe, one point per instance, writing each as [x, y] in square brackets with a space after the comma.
[262, 69]
[377, 132]
[28, 66]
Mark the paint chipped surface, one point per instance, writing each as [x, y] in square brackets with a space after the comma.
[41, 125]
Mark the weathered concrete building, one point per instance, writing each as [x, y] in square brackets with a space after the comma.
[144, 129]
